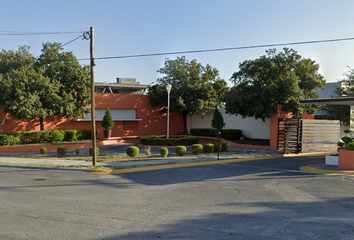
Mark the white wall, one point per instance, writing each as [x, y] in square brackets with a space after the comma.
[251, 127]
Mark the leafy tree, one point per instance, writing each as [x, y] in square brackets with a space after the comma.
[342, 112]
[195, 88]
[217, 120]
[275, 78]
[55, 84]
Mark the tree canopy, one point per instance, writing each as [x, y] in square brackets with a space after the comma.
[195, 88]
[342, 112]
[54, 84]
[282, 78]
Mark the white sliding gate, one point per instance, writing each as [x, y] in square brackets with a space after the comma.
[319, 135]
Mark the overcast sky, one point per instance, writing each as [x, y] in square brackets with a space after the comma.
[129, 27]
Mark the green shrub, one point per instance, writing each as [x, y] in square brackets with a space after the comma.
[107, 122]
[180, 150]
[97, 151]
[346, 140]
[171, 141]
[61, 151]
[163, 152]
[232, 134]
[43, 150]
[205, 132]
[225, 146]
[218, 121]
[55, 136]
[9, 139]
[197, 148]
[216, 147]
[133, 151]
[42, 136]
[84, 134]
[70, 135]
[209, 148]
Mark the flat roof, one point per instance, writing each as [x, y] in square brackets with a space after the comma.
[330, 101]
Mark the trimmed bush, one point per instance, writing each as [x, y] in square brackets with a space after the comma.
[216, 147]
[42, 136]
[164, 152]
[180, 150]
[210, 132]
[209, 148]
[171, 141]
[9, 139]
[97, 151]
[61, 151]
[43, 150]
[132, 151]
[107, 122]
[225, 146]
[70, 135]
[197, 148]
[84, 134]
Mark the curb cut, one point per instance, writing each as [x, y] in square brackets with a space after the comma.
[180, 165]
[314, 170]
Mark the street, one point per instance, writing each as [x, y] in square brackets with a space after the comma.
[266, 199]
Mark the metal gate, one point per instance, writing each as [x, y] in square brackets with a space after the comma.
[308, 135]
[289, 135]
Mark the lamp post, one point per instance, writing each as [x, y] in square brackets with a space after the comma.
[168, 88]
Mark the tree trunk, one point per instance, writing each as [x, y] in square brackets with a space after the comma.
[41, 123]
[185, 124]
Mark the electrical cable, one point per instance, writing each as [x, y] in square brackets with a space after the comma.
[222, 49]
[9, 33]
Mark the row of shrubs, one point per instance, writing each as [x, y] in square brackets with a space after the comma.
[133, 151]
[44, 137]
[171, 141]
[62, 151]
[210, 132]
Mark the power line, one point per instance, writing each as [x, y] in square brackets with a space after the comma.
[10, 33]
[72, 41]
[223, 49]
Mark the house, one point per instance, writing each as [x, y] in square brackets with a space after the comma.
[130, 109]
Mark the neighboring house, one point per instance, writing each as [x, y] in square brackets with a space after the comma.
[130, 109]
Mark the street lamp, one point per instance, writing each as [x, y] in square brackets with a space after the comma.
[168, 88]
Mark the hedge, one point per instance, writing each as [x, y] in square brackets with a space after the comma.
[210, 132]
[171, 141]
[44, 137]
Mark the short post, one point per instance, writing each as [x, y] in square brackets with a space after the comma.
[168, 88]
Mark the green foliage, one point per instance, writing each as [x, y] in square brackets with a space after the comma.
[42, 136]
[217, 147]
[132, 151]
[107, 122]
[276, 78]
[70, 135]
[195, 88]
[164, 152]
[350, 146]
[180, 150]
[54, 84]
[197, 148]
[171, 141]
[43, 150]
[232, 134]
[84, 134]
[97, 151]
[209, 148]
[9, 139]
[225, 146]
[210, 132]
[218, 120]
[61, 151]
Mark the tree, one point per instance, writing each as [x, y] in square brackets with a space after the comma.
[195, 88]
[217, 120]
[107, 122]
[55, 84]
[342, 112]
[274, 79]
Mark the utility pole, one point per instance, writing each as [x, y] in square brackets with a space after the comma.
[93, 117]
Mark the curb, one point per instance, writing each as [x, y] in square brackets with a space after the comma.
[180, 165]
[314, 170]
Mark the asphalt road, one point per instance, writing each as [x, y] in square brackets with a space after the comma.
[267, 199]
